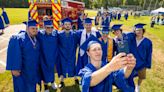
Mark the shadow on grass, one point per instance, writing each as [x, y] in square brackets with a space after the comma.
[73, 88]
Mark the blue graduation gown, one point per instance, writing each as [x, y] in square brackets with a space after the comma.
[106, 84]
[25, 59]
[119, 16]
[1, 23]
[86, 72]
[49, 46]
[80, 23]
[115, 16]
[82, 60]
[67, 53]
[105, 22]
[6, 19]
[142, 53]
[126, 16]
[96, 21]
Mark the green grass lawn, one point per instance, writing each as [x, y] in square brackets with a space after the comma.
[17, 15]
[155, 76]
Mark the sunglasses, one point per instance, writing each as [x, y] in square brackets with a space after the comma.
[49, 27]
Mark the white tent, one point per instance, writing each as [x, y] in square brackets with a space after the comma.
[161, 9]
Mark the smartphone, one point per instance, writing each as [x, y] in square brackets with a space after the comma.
[123, 46]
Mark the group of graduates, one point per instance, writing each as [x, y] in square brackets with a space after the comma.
[102, 19]
[4, 21]
[100, 60]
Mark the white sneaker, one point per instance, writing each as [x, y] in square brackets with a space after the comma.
[54, 85]
[47, 90]
[137, 89]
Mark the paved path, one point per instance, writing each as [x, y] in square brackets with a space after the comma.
[4, 39]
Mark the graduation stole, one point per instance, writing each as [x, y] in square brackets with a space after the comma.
[110, 49]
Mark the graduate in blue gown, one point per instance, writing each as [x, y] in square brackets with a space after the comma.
[121, 39]
[2, 27]
[82, 36]
[114, 15]
[119, 15]
[23, 59]
[98, 76]
[108, 45]
[126, 16]
[49, 51]
[80, 22]
[105, 20]
[5, 16]
[123, 43]
[142, 50]
[67, 44]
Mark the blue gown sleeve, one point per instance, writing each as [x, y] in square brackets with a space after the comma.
[14, 55]
[114, 48]
[149, 56]
[121, 82]
[98, 34]
[85, 79]
[78, 37]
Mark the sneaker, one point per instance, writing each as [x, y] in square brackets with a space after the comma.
[137, 89]
[61, 85]
[54, 85]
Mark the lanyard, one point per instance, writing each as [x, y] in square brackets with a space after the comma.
[32, 41]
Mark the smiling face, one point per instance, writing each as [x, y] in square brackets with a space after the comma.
[33, 30]
[67, 25]
[117, 32]
[95, 52]
[88, 26]
[49, 29]
[139, 32]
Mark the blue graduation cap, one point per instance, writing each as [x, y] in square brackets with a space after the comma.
[91, 40]
[66, 20]
[139, 26]
[116, 27]
[88, 20]
[30, 23]
[48, 23]
[105, 30]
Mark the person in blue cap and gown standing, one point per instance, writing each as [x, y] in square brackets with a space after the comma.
[49, 51]
[98, 76]
[80, 21]
[105, 20]
[142, 50]
[82, 37]
[23, 58]
[121, 39]
[4, 20]
[119, 15]
[108, 45]
[126, 16]
[5, 16]
[67, 43]
[2, 26]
